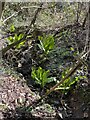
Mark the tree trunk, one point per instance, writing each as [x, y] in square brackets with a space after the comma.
[1, 10]
[89, 41]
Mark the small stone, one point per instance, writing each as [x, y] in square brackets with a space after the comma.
[1, 116]
[85, 115]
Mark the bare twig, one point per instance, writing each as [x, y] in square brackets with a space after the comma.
[65, 28]
[78, 11]
[25, 7]
[87, 43]
[84, 21]
[14, 14]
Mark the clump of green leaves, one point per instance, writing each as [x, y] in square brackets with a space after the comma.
[12, 28]
[15, 38]
[67, 84]
[41, 76]
[46, 43]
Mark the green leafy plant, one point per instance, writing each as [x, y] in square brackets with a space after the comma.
[12, 28]
[46, 43]
[67, 84]
[16, 37]
[41, 76]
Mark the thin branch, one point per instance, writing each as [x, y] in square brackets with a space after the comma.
[87, 43]
[14, 14]
[25, 7]
[65, 28]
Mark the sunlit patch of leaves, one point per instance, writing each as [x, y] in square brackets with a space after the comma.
[41, 76]
[46, 43]
[68, 83]
[16, 38]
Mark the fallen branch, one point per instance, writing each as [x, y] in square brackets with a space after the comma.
[14, 14]
[65, 28]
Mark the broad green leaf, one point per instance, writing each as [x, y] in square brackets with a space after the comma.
[20, 36]
[12, 28]
[15, 38]
[72, 49]
[20, 44]
[40, 76]
[10, 39]
[46, 43]
[51, 79]
[40, 46]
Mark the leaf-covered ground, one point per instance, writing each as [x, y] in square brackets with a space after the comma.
[13, 90]
[16, 95]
